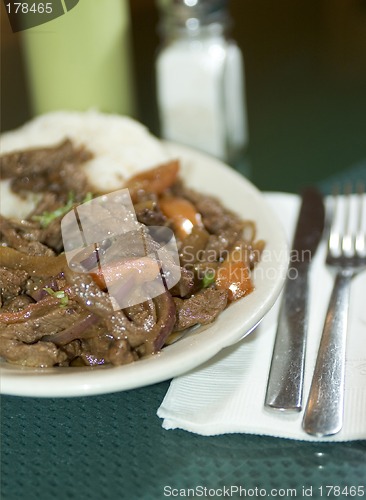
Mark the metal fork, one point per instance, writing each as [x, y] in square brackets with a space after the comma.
[347, 256]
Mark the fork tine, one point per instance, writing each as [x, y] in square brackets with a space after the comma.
[348, 227]
[347, 239]
[360, 239]
[334, 241]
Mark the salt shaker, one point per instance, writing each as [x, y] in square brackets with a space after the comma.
[200, 79]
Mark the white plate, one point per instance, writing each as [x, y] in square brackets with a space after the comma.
[212, 177]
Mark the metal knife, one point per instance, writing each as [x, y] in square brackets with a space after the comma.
[285, 383]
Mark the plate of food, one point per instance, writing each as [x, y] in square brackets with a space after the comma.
[61, 331]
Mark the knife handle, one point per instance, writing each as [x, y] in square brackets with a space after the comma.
[286, 376]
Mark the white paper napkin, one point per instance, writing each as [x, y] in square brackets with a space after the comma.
[226, 394]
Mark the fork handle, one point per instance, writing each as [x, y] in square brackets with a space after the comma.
[324, 410]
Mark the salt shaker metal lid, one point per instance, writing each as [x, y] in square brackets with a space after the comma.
[205, 12]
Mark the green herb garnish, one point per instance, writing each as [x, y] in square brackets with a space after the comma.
[47, 217]
[59, 294]
[208, 278]
[88, 197]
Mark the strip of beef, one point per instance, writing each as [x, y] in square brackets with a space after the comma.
[12, 281]
[46, 169]
[14, 235]
[192, 247]
[215, 216]
[147, 335]
[185, 285]
[201, 308]
[104, 349]
[41, 354]
[55, 320]
[38, 160]
[16, 304]
[219, 244]
[148, 211]
[28, 235]
[51, 234]
[224, 227]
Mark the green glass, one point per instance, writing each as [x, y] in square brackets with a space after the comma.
[82, 59]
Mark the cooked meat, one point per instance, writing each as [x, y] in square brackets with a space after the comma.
[41, 354]
[146, 325]
[201, 308]
[101, 349]
[216, 218]
[49, 234]
[222, 228]
[148, 211]
[54, 320]
[219, 244]
[35, 161]
[16, 304]
[46, 169]
[12, 282]
[193, 245]
[185, 285]
[120, 353]
[13, 235]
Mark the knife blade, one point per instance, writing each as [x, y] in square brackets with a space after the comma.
[286, 376]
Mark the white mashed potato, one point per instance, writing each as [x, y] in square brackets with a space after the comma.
[121, 147]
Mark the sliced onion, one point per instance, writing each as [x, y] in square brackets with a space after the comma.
[35, 265]
[166, 319]
[74, 331]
